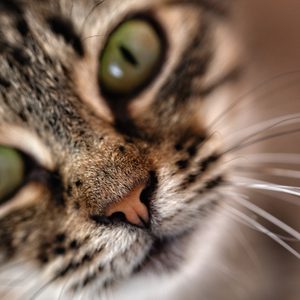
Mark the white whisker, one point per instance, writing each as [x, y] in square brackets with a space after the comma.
[246, 134]
[278, 172]
[242, 200]
[221, 118]
[270, 194]
[259, 184]
[278, 158]
[238, 215]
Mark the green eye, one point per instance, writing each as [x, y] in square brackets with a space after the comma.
[12, 170]
[131, 57]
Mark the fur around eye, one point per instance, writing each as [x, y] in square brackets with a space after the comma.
[130, 57]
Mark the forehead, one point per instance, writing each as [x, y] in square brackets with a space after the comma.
[61, 81]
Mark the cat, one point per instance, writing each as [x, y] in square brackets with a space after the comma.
[125, 152]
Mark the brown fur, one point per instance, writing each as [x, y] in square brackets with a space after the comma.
[99, 149]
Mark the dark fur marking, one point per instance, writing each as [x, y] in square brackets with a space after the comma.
[72, 266]
[65, 29]
[43, 258]
[193, 148]
[65, 270]
[74, 245]
[60, 238]
[179, 88]
[108, 283]
[69, 190]
[22, 116]
[89, 279]
[56, 188]
[191, 178]
[21, 57]
[122, 149]
[100, 268]
[76, 205]
[29, 108]
[7, 243]
[204, 164]
[178, 147]
[22, 27]
[11, 6]
[214, 183]
[86, 258]
[4, 83]
[59, 251]
[182, 164]
[78, 183]
[126, 126]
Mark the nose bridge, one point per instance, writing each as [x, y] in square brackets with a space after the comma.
[108, 177]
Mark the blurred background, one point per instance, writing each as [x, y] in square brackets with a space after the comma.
[269, 35]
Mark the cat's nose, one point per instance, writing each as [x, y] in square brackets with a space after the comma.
[130, 208]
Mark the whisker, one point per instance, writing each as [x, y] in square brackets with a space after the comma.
[14, 281]
[93, 9]
[277, 172]
[278, 158]
[238, 215]
[282, 237]
[275, 195]
[63, 289]
[71, 9]
[259, 184]
[212, 126]
[246, 134]
[92, 36]
[21, 280]
[242, 200]
[10, 265]
[248, 248]
[42, 288]
[239, 146]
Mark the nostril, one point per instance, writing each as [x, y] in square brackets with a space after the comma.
[118, 217]
[130, 209]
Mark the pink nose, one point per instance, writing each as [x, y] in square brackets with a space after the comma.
[135, 212]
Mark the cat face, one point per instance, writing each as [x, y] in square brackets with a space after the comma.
[119, 170]
[88, 146]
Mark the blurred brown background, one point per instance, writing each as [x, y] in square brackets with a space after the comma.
[269, 31]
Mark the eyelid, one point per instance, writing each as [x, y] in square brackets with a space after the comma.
[27, 142]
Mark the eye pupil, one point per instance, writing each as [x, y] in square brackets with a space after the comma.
[128, 56]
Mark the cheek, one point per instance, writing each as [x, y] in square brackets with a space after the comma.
[33, 194]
